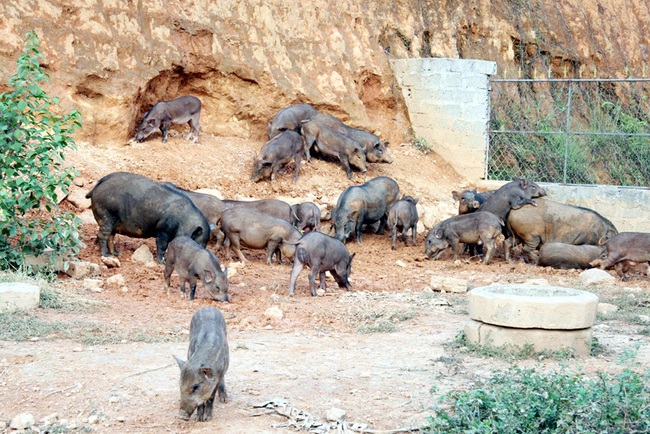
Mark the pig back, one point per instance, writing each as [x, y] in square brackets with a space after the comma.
[208, 337]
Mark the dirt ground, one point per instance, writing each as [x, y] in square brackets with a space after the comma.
[333, 351]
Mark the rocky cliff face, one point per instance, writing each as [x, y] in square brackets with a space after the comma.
[113, 59]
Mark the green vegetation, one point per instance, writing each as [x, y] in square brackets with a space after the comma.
[420, 143]
[528, 401]
[33, 138]
[379, 321]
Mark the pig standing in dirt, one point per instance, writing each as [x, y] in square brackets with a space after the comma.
[256, 230]
[476, 228]
[177, 111]
[290, 119]
[470, 200]
[192, 261]
[375, 148]
[625, 249]
[277, 152]
[334, 144]
[208, 357]
[552, 221]
[136, 206]
[402, 216]
[568, 256]
[306, 216]
[321, 253]
[364, 204]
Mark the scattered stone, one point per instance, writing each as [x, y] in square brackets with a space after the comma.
[606, 308]
[212, 191]
[232, 271]
[81, 269]
[120, 419]
[152, 265]
[320, 292]
[275, 298]
[595, 276]
[400, 263]
[644, 318]
[22, 421]
[116, 281]
[78, 199]
[59, 194]
[48, 259]
[125, 289]
[274, 313]
[427, 289]
[93, 419]
[142, 255]
[335, 414]
[77, 349]
[79, 181]
[450, 284]
[49, 420]
[111, 261]
[113, 399]
[236, 265]
[537, 282]
[87, 217]
[92, 284]
[16, 295]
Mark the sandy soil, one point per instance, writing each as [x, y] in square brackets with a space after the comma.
[317, 357]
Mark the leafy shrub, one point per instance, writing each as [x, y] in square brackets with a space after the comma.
[421, 144]
[527, 401]
[33, 138]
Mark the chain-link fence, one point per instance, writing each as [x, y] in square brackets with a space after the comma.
[572, 131]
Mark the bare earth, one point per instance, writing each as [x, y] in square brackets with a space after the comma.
[317, 357]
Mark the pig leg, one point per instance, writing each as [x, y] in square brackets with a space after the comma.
[164, 127]
[307, 141]
[169, 268]
[295, 271]
[194, 128]
[183, 283]
[454, 247]
[236, 246]
[393, 237]
[346, 165]
[192, 287]
[296, 165]
[221, 389]
[404, 236]
[490, 246]
[323, 284]
[382, 224]
[273, 247]
[621, 268]
[312, 280]
[414, 235]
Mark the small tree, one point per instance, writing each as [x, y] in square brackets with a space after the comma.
[33, 138]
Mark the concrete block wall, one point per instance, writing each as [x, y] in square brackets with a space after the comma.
[448, 105]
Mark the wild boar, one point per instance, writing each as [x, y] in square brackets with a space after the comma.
[552, 221]
[568, 256]
[193, 262]
[477, 228]
[290, 119]
[321, 253]
[402, 216]
[177, 111]
[274, 207]
[470, 200]
[306, 216]
[136, 206]
[334, 144]
[256, 230]
[512, 195]
[277, 152]
[208, 357]
[625, 249]
[375, 148]
[364, 204]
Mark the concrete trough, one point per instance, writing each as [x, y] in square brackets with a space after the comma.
[16, 295]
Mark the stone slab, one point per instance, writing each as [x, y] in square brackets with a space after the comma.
[579, 341]
[15, 295]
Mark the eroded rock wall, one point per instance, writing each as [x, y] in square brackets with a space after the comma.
[113, 59]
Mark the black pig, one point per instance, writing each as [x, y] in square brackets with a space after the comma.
[277, 152]
[177, 111]
[290, 119]
[402, 216]
[306, 216]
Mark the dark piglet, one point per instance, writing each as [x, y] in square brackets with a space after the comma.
[512, 195]
[276, 153]
[177, 111]
[331, 143]
[625, 249]
[402, 216]
[193, 262]
[470, 200]
[476, 228]
[306, 216]
[375, 148]
[290, 119]
[568, 256]
[256, 230]
[208, 357]
[321, 253]
[133, 205]
[364, 204]
[552, 221]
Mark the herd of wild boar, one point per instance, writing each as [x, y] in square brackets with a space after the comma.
[183, 222]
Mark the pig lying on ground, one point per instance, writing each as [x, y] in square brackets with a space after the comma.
[177, 111]
[556, 222]
[256, 230]
[136, 206]
[402, 216]
[208, 357]
[476, 228]
[624, 250]
[306, 216]
[567, 256]
[277, 152]
[321, 253]
[192, 261]
[364, 204]
[290, 119]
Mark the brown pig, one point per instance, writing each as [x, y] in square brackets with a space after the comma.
[191, 261]
[625, 249]
[208, 357]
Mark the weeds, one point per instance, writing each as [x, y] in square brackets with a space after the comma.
[420, 143]
[379, 321]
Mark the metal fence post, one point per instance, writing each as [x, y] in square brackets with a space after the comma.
[566, 131]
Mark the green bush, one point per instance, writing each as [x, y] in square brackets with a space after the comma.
[527, 401]
[33, 138]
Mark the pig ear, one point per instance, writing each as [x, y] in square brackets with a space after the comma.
[209, 277]
[206, 372]
[180, 362]
[151, 122]
[455, 195]
[438, 233]
[197, 233]
[352, 256]
[523, 182]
